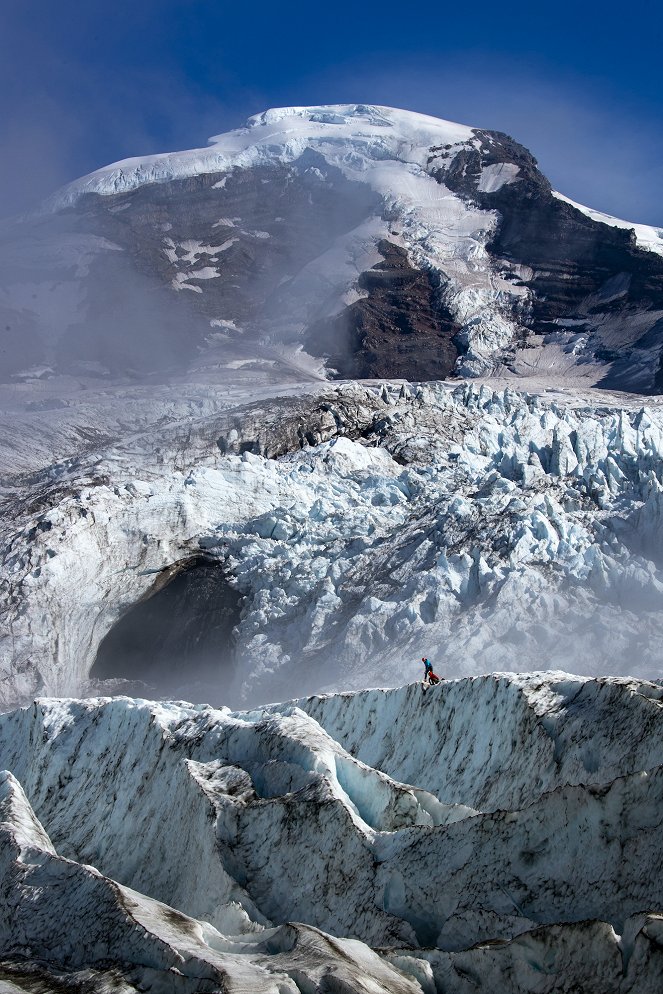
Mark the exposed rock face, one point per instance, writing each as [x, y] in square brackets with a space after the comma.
[193, 534]
[400, 324]
[586, 278]
[386, 243]
[169, 266]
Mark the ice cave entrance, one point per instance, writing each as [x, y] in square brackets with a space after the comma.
[178, 640]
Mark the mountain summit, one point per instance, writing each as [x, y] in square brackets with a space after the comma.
[379, 241]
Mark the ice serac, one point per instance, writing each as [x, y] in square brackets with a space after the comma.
[344, 533]
[197, 836]
[383, 241]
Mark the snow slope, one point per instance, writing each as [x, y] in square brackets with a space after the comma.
[198, 835]
[381, 134]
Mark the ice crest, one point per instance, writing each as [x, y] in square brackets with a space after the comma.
[195, 838]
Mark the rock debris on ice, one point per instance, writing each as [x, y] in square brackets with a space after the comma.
[362, 529]
[183, 841]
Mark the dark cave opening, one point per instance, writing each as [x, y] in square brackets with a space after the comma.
[179, 638]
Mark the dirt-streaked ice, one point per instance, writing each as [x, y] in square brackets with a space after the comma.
[183, 841]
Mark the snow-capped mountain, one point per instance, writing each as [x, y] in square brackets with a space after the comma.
[498, 833]
[191, 510]
[380, 242]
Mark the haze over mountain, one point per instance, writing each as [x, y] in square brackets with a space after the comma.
[381, 242]
[280, 417]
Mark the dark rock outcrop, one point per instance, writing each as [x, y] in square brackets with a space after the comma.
[586, 276]
[401, 327]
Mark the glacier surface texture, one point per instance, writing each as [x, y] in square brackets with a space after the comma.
[494, 833]
[347, 532]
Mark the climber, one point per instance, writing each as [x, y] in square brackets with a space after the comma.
[430, 679]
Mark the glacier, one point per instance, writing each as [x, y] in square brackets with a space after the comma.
[496, 830]
[203, 525]
[361, 527]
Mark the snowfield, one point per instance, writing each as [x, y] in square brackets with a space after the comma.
[184, 841]
[380, 134]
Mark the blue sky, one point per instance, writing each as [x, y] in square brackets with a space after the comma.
[83, 84]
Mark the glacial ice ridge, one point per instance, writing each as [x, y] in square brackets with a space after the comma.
[492, 831]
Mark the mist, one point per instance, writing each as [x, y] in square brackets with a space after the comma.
[75, 306]
[148, 286]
